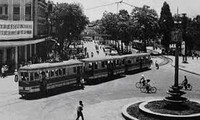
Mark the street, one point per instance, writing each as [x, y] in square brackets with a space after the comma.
[101, 101]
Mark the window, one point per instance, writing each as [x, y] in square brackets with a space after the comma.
[90, 65]
[31, 77]
[74, 68]
[52, 73]
[24, 76]
[64, 71]
[1, 10]
[95, 66]
[28, 12]
[6, 10]
[103, 64]
[47, 74]
[59, 72]
[16, 10]
[37, 76]
[56, 72]
[129, 61]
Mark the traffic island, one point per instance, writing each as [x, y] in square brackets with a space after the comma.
[162, 110]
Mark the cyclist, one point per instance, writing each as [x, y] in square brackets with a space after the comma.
[147, 85]
[143, 80]
[185, 82]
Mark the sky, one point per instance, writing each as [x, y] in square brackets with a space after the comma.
[93, 11]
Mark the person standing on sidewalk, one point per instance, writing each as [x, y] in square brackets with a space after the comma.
[156, 64]
[79, 111]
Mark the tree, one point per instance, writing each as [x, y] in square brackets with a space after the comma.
[166, 24]
[69, 21]
[193, 33]
[146, 23]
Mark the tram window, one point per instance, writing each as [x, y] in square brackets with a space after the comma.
[64, 71]
[31, 77]
[103, 64]
[90, 65]
[137, 59]
[56, 72]
[123, 61]
[59, 72]
[52, 73]
[47, 74]
[36, 75]
[74, 68]
[95, 66]
[25, 76]
[129, 61]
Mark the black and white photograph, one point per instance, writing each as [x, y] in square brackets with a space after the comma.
[99, 60]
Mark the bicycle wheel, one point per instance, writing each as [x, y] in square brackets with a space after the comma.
[153, 89]
[137, 84]
[189, 87]
[143, 89]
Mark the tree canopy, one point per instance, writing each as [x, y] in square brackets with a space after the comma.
[166, 24]
[69, 21]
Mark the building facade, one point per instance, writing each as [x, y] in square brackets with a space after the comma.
[22, 29]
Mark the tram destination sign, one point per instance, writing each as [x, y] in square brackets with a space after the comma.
[15, 29]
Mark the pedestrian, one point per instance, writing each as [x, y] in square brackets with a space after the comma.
[193, 56]
[156, 64]
[82, 83]
[92, 54]
[3, 71]
[79, 111]
[185, 82]
[16, 75]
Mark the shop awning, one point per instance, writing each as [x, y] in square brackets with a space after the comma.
[13, 43]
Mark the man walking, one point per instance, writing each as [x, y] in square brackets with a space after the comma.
[79, 111]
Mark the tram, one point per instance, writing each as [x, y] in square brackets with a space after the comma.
[101, 67]
[58, 74]
[137, 61]
[70, 73]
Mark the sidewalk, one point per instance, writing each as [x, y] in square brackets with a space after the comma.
[193, 65]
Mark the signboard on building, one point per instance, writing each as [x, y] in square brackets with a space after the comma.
[15, 29]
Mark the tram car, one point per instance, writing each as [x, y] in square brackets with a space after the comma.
[57, 74]
[135, 62]
[101, 67]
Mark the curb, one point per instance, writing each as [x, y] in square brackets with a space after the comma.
[125, 114]
[141, 107]
[183, 69]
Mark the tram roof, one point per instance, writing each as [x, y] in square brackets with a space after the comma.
[102, 58]
[51, 65]
[113, 57]
[137, 54]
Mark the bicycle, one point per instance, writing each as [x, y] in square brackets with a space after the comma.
[188, 86]
[152, 89]
[140, 84]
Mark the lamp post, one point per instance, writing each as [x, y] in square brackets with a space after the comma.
[175, 90]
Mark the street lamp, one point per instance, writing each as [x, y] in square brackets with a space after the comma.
[175, 91]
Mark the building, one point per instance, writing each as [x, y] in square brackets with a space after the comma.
[22, 30]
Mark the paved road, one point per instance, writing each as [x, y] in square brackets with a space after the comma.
[102, 101]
